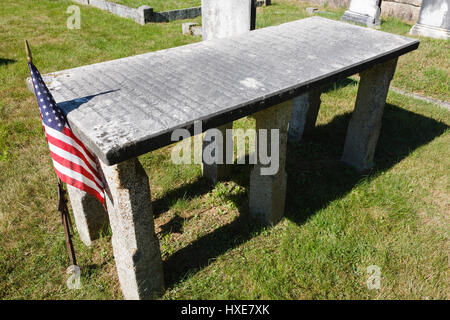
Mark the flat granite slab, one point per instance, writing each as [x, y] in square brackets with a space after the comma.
[126, 107]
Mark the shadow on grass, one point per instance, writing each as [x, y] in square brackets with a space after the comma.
[191, 190]
[6, 61]
[316, 173]
[315, 178]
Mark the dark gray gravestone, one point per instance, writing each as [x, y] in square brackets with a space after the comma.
[434, 20]
[127, 107]
[363, 12]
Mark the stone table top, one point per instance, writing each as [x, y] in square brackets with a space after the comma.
[127, 107]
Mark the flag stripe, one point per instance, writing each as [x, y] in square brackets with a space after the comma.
[70, 149]
[77, 184]
[75, 167]
[69, 133]
[70, 141]
[77, 176]
[75, 159]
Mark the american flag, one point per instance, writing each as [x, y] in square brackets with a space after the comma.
[73, 163]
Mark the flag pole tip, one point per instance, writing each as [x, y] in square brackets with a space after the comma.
[27, 49]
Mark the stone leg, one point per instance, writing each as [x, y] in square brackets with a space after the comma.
[216, 172]
[90, 217]
[268, 192]
[365, 124]
[304, 114]
[135, 245]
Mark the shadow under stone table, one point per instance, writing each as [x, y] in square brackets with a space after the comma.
[124, 108]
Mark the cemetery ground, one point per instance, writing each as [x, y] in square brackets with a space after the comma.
[337, 222]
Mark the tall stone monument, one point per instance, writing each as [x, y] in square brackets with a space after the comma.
[363, 12]
[434, 20]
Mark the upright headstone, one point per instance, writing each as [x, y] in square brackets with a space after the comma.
[363, 12]
[222, 19]
[434, 20]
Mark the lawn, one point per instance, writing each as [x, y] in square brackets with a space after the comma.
[337, 224]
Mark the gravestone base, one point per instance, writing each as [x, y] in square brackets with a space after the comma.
[430, 31]
[360, 19]
[363, 12]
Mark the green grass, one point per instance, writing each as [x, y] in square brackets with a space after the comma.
[159, 5]
[337, 223]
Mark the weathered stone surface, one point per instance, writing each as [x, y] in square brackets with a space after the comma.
[191, 28]
[304, 114]
[127, 107]
[430, 31]
[196, 31]
[311, 10]
[136, 247]
[434, 20]
[145, 14]
[178, 14]
[139, 15]
[435, 13]
[268, 192]
[365, 124]
[90, 217]
[363, 12]
[186, 27]
[222, 19]
[416, 3]
[403, 11]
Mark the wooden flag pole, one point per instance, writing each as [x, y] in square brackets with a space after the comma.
[62, 201]
[28, 51]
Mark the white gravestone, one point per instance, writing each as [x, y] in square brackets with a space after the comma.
[363, 12]
[221, 19]
[434, 20]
